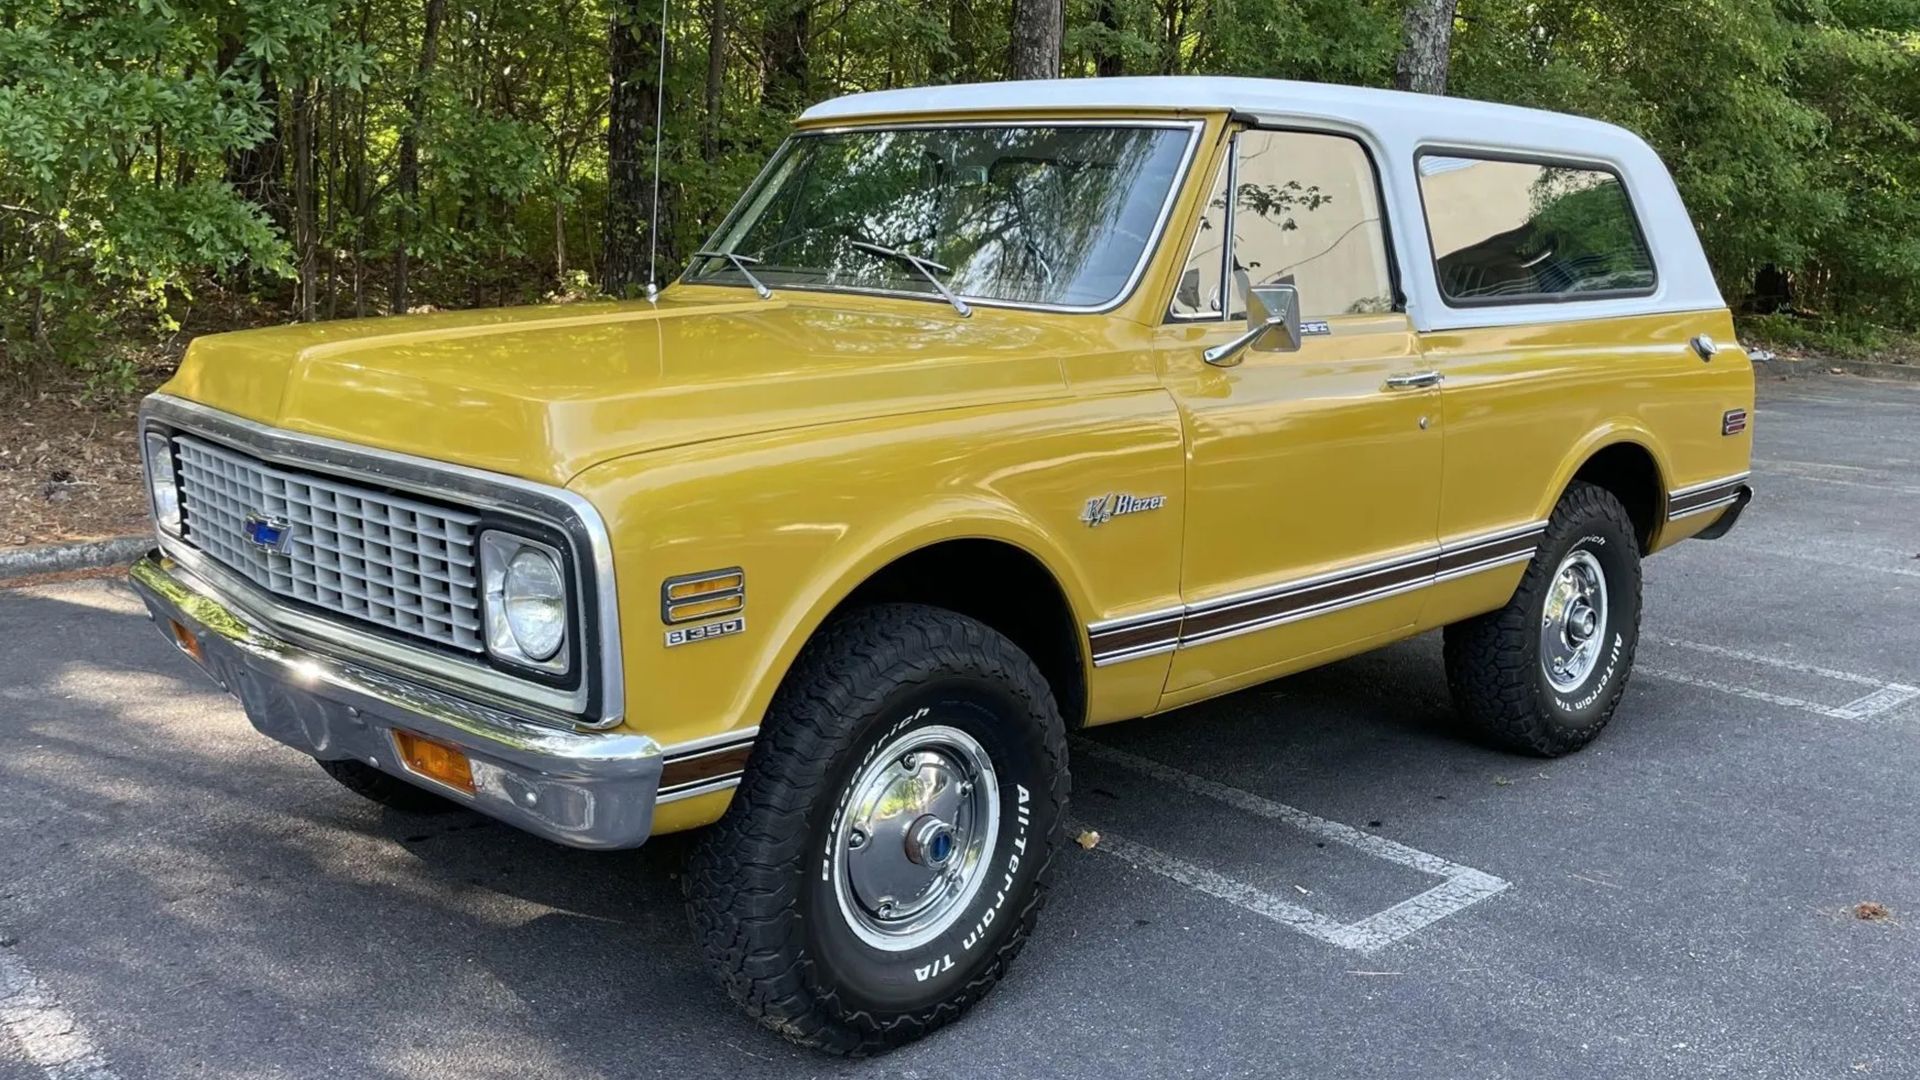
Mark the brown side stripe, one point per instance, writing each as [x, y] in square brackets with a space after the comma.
[1145, 635]
[1683, 503]
[1112, 642]
[1458, 560]
[705, 766]
[1298, 602]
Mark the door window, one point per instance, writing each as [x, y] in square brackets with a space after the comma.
[1305, 212]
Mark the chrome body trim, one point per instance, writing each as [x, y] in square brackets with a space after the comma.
[1154, 239]
[1700, 498]
[584, 789]
[1153, 633]
[697, 749]
[1132, 637]
[693, 747]
[555, 507]
[704, 788]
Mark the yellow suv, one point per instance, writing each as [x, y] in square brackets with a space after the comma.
[990, 413]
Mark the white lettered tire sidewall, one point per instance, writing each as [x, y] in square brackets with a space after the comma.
[1617, 552]
[866, 978]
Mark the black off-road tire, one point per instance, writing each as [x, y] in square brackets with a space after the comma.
[389, 791]
[1500, 686]
[756, 884]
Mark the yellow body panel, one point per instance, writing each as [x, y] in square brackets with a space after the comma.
[814, 438]
[1299, 466]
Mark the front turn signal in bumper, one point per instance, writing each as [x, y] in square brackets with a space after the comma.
[434, 760]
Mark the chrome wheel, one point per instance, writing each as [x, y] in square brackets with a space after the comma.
[918, 828]
[1574, 621]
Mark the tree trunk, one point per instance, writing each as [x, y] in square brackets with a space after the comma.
[716, 77]
[960, 38]
[1035, 51]
[306, 241]
[633, 62]
[1107, 62]
[254, 172]
[408, 180]
[788, 71]
[1424, 54]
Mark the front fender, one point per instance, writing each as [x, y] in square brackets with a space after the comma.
[810, 514]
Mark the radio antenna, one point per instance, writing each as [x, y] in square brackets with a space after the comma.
[659, 126]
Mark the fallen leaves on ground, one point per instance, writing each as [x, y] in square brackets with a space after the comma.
[1871, 911]
[1088, 839]
[69, 469]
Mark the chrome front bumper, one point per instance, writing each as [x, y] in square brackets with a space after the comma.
[585, 789]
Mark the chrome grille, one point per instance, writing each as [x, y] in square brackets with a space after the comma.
[390, 561]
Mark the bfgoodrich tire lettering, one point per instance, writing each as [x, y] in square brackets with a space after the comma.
[1501, 666]
[762, 886]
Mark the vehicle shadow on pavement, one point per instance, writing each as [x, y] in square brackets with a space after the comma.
[171, 868]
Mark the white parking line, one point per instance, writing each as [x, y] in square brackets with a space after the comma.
[48, 1034]
[1463, 886]
[1882, 697]
[1808, 470]
[1899, 564]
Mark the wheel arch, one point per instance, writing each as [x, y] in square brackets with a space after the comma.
[1628, 463]
[984, 562]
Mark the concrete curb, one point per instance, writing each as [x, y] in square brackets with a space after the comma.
[1806, 367]
[84, 555]
[1872, 370]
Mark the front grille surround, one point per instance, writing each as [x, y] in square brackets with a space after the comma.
[589, 696]
[393, 562]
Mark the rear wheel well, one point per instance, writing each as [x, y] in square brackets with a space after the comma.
[1629, 472]
[1002, 586]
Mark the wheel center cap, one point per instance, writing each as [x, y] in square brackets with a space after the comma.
[930, 842]
[1582, 622]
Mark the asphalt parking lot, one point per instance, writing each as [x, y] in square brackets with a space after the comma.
[1316, 878]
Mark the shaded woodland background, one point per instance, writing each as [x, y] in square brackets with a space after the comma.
[171, 166]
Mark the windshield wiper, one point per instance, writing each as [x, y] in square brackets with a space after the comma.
[927, 267]
[740, 263]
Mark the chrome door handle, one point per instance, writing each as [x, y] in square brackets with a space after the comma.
[1416, 381]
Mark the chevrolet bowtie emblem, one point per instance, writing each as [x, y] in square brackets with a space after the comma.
[268, 534]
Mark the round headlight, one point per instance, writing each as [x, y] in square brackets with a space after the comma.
[535, 599]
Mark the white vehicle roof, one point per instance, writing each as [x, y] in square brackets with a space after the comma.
[1396, 127]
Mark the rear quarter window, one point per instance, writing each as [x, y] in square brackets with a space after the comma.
[1511, 231]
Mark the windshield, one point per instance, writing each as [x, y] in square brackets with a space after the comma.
[1059, 215]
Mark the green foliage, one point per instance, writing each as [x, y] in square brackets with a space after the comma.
[150, 149]
[89, 224]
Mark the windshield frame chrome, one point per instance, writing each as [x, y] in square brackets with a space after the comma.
[1183, 173]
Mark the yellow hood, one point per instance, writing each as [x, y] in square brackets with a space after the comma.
[545, 393]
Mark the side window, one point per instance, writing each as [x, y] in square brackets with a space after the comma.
[1305, 212]
[1198, 293]
[1513, 231]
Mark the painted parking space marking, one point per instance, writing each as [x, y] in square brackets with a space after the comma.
[1881, 697]
[1815, 472]
[49, 1035]
[1873, 560]
[1460, 887]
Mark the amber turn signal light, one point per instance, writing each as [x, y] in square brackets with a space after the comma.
[435, 760]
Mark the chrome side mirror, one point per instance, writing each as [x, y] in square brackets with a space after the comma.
[1273, 323]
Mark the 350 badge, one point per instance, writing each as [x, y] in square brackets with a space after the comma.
[688, 634]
